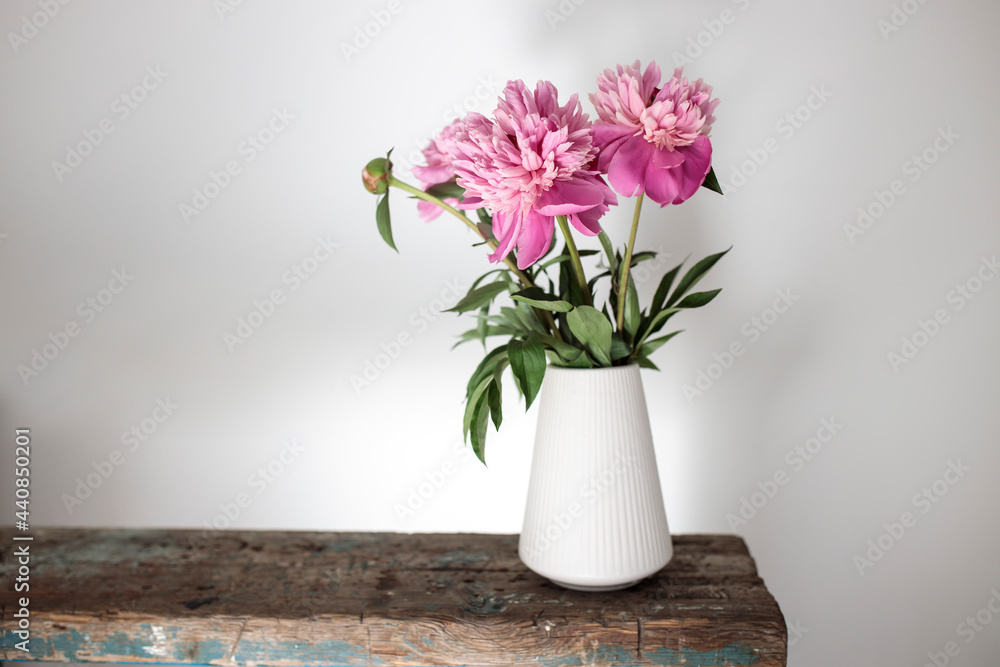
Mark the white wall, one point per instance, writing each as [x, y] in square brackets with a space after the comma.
[161, 337]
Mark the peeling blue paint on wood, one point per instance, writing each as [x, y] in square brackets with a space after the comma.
[327, 651]
[734, 654]
[461, 559]
[486, 604]
[76, 647]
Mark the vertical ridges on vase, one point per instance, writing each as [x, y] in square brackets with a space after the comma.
[594, 515]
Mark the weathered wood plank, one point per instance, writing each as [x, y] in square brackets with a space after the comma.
[304, 598]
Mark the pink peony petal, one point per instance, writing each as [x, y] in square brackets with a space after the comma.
[432, 175]
[587, 222]
[661, 184]
[535, 160]
[650, 78]
[610, 198]
[470, 203]
[440, 157]
[535, 238]
[604, 134]
[565, 197]
[505, 229]
[627, 170]
[608, 153]
[676, 121]
[667, 159]
[697, 163]
[608, 139]
[428, 211]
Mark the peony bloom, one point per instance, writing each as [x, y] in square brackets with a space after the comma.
[438, 168]
[529, 165]
[653, 140]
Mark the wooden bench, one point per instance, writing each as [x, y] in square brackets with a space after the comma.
[308, 598]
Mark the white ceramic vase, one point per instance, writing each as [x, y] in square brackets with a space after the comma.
[594, 518]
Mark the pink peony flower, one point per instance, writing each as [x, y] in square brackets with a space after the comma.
[529, 165]
[653, 140]
[438, 168]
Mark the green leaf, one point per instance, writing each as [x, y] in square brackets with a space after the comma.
[593, 281]
[482, 326]
[477, 434]
[499, 369]
[535, 296]
[593, 330]
[491, 330]
[569, 286]
[657, 322]
[564, 350]
[653, 345]
[641, 257]
[696, 273]
[501, 322]
[580, 360]
[698, 299]
[485, 369]
[472, 402]
[531, 318]
[521, 318]
[564, 258]
[619, 348]
[479, 297]
[446, 190]
[483, 277]
[664, 289]
[712, 182]
[485, 230]
[632, 315]
[494, 398]
[583, 361]
[527, 362]
[608, 249]
[514, 319]
[643, 362]
[383, 221]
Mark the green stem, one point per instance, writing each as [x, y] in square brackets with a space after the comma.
[420, 194]
[575, 258]
[417, 192]
[545, 315]
[623, 280]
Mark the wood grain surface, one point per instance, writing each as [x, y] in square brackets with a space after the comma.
[306, 598]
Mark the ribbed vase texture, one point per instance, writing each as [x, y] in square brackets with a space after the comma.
[594, 517]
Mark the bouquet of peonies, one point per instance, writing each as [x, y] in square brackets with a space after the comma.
[538, 164]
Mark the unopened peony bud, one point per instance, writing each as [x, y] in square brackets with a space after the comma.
[376, 175]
